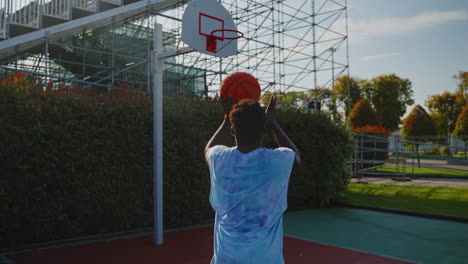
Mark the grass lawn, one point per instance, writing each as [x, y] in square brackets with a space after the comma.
[452, 201]
[427, 172]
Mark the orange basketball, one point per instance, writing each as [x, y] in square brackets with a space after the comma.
[240, 85]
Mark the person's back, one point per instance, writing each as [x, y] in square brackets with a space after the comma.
[249, 186]
[249, 196]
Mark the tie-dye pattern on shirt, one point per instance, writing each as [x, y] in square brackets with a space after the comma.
[249, 196]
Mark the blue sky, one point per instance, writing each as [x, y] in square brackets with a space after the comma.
[425, 41]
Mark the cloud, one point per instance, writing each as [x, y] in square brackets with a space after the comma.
[362, 30]
[379, 56]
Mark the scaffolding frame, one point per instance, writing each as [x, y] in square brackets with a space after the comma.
[398, 153]
[288, 45]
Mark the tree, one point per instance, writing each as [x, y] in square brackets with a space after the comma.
[265, 99]
[462, 79]
[323, 96]
[336, 116]
[390, 95]
[418, 127]
[340, 90]
[362, 114]
[461, 127]
[300, 100]
[287, 101]
[441, 127]
[445, 109]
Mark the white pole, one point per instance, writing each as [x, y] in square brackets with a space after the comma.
[157, 136]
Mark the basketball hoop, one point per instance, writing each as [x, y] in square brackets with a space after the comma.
[211, 44]
[209, 28]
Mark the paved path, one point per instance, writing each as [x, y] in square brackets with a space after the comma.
[438, 163]
[419, 181]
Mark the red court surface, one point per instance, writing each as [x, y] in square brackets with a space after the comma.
[194, 246]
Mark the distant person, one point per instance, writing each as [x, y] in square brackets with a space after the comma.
[249, 185]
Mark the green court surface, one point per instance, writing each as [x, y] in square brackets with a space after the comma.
[416, 239]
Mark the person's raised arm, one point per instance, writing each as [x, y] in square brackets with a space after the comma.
[223, 133]
[280, 136]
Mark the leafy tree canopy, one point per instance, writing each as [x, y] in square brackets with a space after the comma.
[340, 90]
[445, 109]
[390, 95]
[418, 127]
[461, 127]
[362, 114]
[419, 124]
[287, 101]
[462, 79]
[298, 100]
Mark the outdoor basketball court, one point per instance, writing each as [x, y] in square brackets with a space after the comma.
[329, 235]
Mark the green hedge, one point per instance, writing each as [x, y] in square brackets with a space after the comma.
[73, 165]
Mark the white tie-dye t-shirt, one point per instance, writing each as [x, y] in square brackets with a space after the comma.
[249, 196]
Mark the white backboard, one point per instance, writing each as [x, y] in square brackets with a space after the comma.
[200, 19]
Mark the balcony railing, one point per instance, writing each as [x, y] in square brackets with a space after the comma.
[24, 12]
[57, 8]
[115, 2]
[88, 5]
[28, 13]
[3, 22]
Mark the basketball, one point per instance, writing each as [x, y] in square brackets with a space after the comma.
[240, 85]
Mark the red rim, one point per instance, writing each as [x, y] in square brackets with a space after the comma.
[229, 30]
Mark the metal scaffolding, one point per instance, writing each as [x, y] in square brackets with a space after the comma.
[289, 45]
[398, 158]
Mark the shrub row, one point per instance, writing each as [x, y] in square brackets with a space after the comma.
[75, 165]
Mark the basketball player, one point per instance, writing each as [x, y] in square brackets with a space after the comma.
[249, 185]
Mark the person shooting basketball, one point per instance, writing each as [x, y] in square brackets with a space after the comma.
[249, 183]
